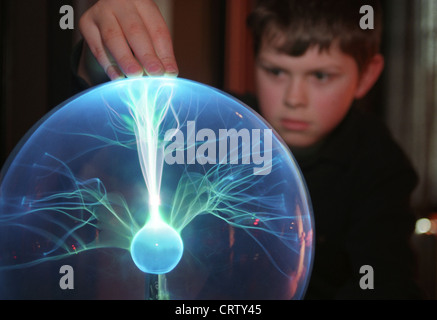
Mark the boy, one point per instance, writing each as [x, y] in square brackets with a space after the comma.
[312, 62]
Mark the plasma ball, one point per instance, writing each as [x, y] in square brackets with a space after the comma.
[192, 186]
[157, 248]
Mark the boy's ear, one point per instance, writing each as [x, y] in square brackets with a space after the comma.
[370, 75]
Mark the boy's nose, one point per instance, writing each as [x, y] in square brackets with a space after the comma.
[295, 94]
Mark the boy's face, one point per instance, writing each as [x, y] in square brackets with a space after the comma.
[304, 98]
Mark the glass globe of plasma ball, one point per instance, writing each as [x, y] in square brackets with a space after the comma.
[153, 188]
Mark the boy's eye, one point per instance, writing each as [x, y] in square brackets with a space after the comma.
[274, 71]
[319, 75]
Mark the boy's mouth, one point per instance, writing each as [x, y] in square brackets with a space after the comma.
[294, 125]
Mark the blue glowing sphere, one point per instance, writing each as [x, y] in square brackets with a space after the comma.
[156, 248]
[154, 188]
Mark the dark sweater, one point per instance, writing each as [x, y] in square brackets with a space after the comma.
[360, 184]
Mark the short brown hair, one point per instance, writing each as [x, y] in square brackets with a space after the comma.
[306, 23]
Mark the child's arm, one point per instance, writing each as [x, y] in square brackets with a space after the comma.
[128, 38]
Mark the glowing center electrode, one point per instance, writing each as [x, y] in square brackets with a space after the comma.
[156, 248]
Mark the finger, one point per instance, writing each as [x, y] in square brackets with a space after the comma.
[114, 40]
[91, 35]
[159, 35]
[139, 41]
